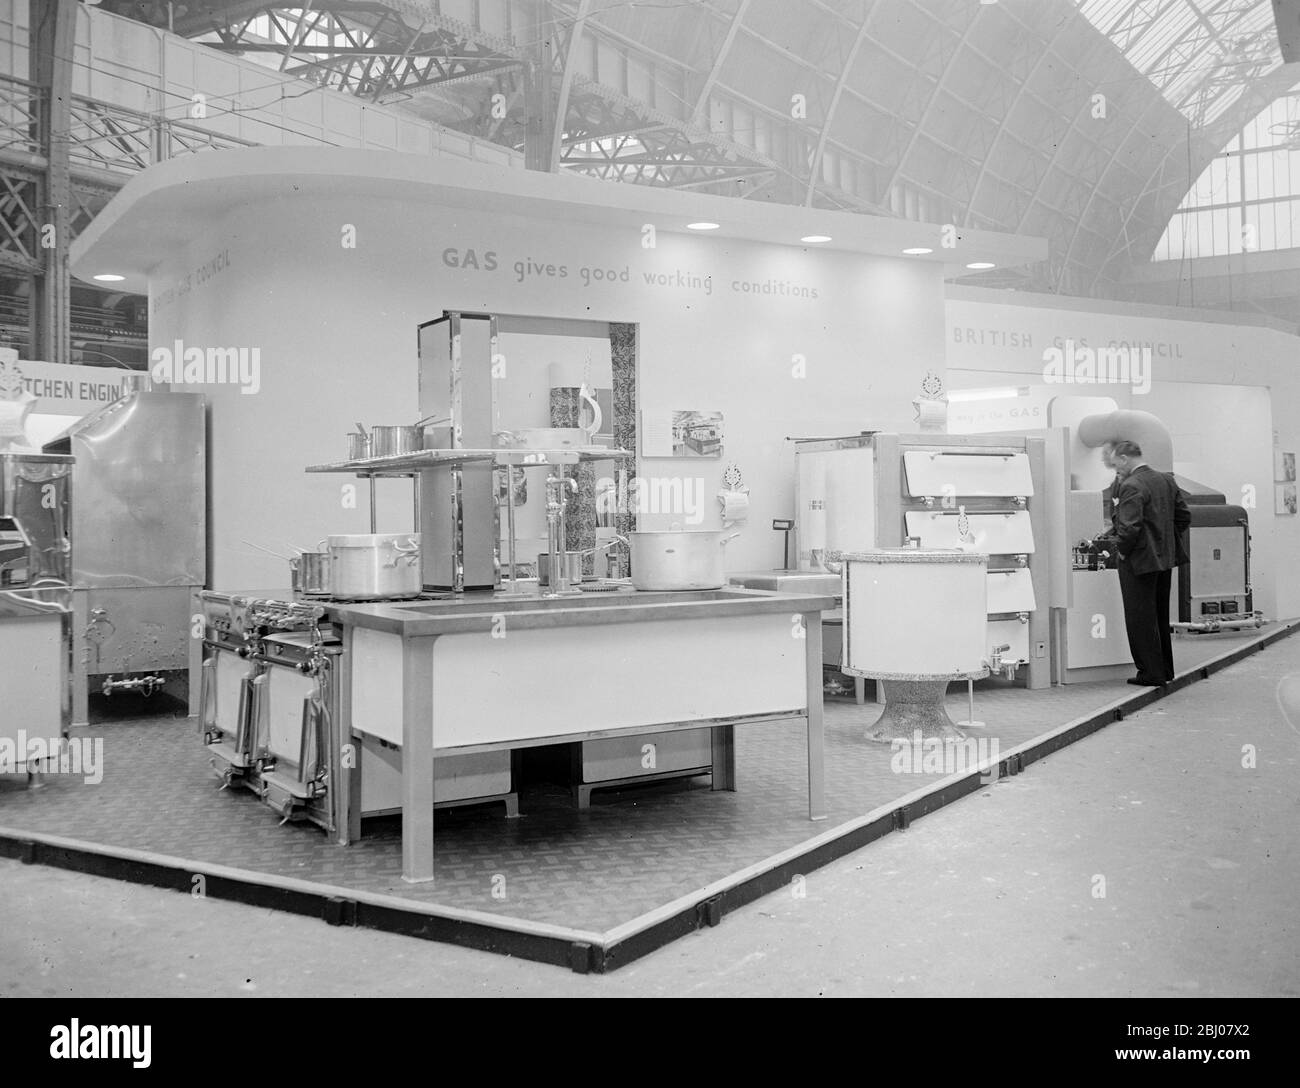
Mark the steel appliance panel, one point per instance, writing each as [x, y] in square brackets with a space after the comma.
[284, 698]
[32, 695]
[139, 518]
[1218, 561]
[972, 475]
[1009, 533]
[223, 697]
[1094, 624]
[628, 688]
[1011, 591]
[133, 629]
[35, 697]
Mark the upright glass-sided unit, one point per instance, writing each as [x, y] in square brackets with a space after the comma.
[139, 542]
[35, 608]
[459, 515]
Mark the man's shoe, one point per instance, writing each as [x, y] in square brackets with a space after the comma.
[1139, 682]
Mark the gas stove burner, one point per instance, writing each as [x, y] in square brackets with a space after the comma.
[272, 615]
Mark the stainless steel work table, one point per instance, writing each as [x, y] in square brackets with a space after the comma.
[497, 670]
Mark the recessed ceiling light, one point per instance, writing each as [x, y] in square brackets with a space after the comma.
[917, 251]
[980, 265]
[815, 238]
[109, 277]
[701, 226]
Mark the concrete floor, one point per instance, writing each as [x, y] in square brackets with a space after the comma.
[1143, 861]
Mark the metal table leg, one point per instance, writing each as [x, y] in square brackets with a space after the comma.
[812, 623]
[723, 756]
[417, 759]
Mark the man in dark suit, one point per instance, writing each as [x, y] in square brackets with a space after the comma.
[1147, 530]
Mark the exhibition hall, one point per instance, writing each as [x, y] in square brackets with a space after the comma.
[601, 498]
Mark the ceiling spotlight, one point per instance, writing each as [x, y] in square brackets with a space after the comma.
[917, 251]
[701, 226]
[815, 238]
[979, 266]
[109, 277]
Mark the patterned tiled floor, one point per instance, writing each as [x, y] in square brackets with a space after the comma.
[632, 851]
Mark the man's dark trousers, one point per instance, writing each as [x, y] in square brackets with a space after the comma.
[1146, 616]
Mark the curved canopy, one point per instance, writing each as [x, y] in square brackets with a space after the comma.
[1083, 121]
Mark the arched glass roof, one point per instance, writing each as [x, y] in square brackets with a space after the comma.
[1248, 198]
[1200, 54]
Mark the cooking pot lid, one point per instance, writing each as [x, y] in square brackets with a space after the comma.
[373, 540]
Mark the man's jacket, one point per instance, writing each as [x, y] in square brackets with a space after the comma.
[1149, 521]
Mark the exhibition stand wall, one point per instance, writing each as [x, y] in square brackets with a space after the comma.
[1226, 386]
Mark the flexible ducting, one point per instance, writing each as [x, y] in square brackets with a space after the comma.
[1140, 427]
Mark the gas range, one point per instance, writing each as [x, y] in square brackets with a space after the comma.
[248, 616]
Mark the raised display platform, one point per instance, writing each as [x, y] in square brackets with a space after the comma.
[591, 889]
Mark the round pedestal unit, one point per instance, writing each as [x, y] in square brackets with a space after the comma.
[915, 618]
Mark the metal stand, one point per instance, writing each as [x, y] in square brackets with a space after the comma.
[969, 721]
[784, 525]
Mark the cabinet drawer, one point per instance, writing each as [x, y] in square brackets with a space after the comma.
[646, 753]
[1010, 591]
[996, 534]
[455, 778]
[974, 475]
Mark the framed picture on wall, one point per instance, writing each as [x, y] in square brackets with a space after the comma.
[1285, 499]
[1283, 467]
[697, 434]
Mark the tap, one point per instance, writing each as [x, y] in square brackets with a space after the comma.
[1006, 668]
[558, 490]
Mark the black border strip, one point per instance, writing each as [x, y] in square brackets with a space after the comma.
[709, 910]
[575, 949]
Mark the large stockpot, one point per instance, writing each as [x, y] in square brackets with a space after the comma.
[394, 441]
[371, 566]
[678, 559]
